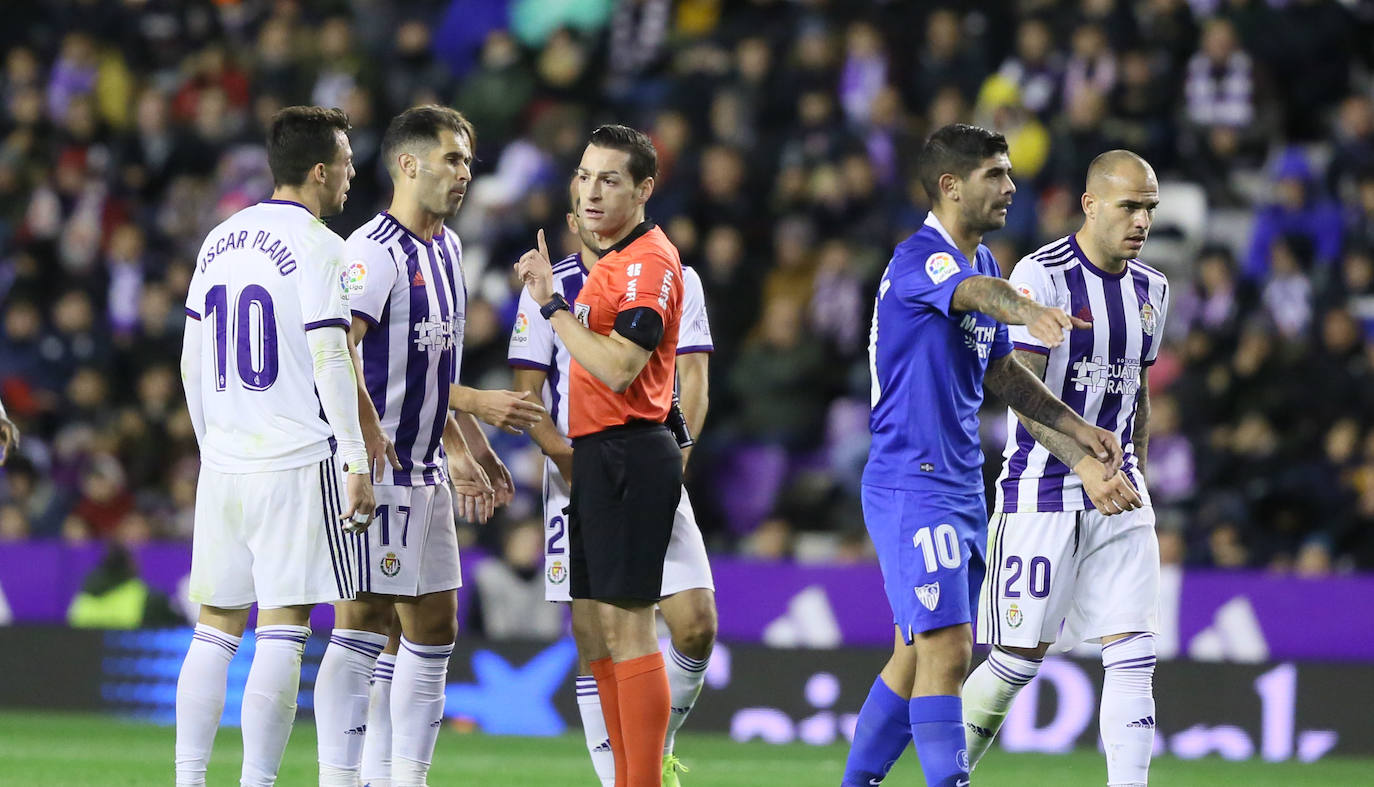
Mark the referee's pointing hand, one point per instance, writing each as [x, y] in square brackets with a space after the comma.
[535, 270]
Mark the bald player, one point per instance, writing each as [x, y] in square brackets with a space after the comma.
[1070, 543]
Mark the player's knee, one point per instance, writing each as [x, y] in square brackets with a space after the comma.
[1037, 652]
[696, 636]
[945, 653]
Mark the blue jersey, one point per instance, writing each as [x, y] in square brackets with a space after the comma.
[927, 364]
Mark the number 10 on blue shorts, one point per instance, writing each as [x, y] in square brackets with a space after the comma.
[930, 546]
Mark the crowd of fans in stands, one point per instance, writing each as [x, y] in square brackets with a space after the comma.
[787, 132]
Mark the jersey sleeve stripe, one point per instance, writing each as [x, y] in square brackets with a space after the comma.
[192, 314]
[367, 318]
[1031, 348]
[525, 363]
[334, 321]
[696, 348]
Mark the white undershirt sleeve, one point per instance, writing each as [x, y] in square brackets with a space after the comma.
[338, 391]
[190, 376]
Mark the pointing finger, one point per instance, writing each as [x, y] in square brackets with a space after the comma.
[543, 247]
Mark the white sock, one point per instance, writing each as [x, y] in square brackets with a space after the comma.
[988, 694]
[406, 772]
[1127, 720]
[376, 769]
[417, 709]
[594, 729]
[200, 700]
[269, 701]
[341, 696]
[685, 676]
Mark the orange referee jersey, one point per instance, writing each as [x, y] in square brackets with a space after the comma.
[642, 270]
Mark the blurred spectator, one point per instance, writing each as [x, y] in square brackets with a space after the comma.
[1036, 69]
[1299, 209]
[509, 599]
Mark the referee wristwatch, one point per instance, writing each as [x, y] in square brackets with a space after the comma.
[554, 304]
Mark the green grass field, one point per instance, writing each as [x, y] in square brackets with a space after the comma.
[80, 750]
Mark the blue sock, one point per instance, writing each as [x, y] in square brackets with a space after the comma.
[937, 724]
[880, 737]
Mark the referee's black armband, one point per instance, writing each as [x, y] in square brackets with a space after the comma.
[640, 325]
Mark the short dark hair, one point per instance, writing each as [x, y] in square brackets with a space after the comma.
[421, 125]
[643, 157]
[300, 138]
[956, 149]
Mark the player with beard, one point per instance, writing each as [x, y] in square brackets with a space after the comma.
[405, 281]
[938, 337]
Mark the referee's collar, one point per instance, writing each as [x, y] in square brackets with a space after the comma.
[635, 234]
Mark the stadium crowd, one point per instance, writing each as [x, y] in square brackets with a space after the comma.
[786, 132]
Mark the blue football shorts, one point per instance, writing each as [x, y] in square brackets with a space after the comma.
[931, 549]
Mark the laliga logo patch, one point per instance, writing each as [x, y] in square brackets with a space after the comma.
[557, 573]
[521, 334]
[354, 278]
[1014, 616]
[1025, 291]
[940, 266]
[929, 595]
[1148, 319]
[390, 565]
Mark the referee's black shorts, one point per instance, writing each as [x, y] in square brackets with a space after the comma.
[626, 484]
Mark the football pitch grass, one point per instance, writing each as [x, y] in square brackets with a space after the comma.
[39, 749]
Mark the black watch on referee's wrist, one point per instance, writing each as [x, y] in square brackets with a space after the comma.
[554, 304]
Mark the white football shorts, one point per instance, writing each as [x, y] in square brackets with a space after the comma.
[273, 538]
[685, 567]
[412, 544]
[1095, 575]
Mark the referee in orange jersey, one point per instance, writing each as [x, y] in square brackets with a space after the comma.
[627, 467]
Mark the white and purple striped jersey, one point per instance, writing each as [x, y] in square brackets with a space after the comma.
[264, 277]
[1096, 372]
[534, 345]
[412, 296]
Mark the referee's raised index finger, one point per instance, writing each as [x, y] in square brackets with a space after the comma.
[543, 247]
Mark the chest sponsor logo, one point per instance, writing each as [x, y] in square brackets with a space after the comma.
[978, 338]
[1119, 377]
[435, 335]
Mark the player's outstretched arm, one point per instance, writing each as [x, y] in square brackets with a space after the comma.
[190, 376]
[508, 410]
[545, 434]
[999, 300]
[1110, 493]
[1027, 395]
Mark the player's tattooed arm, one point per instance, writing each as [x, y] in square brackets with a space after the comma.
[1140, 435]
[1061, 445]
[999, 300]
[1027, 395]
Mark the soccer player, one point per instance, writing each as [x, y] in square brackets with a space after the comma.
[405, 282]
[937, 338]
[1068, 540]
[9, 435]
[265, 362]
[627, 467]
[541, 363]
